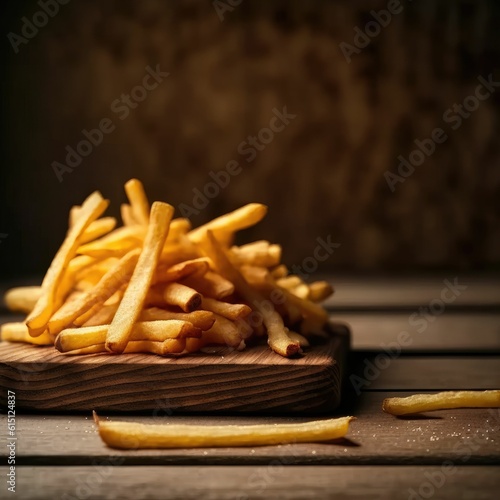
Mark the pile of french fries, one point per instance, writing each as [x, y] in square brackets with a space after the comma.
[156, 285]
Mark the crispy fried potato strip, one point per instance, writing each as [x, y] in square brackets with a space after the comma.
[157, 331]
[110, 289]
[22, 298]
[18, 332]
[130, 435]
[92, 208]
[133, 300]
[419, 403]
[279, 341]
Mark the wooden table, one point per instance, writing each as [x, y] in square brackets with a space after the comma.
[446, 454]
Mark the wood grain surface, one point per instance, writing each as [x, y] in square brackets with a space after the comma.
[464, 436]
[257, 482]
[252, 380]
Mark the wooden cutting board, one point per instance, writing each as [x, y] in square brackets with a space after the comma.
[221, 380]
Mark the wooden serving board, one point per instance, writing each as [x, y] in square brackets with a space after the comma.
[253, 380]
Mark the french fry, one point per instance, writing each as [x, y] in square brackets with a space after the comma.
[112, 281]
[279, 341]
[119, 242]
[98, 228]
[133, 299]
[230, 311]
[22, 298]
[127, 215]
[299, 338]
[194, 267]
[178, 228]
[186, 298]
[92, 208]
[204, 320]
[280, 271]
[165, 348]
[319, 291]
[241, 218]
[419, 403]
[18, 332]
[73, 214]
[129, 435]
[211, 285]
[138, 201]
[294, 285]
[265, 257]
[157, 331]
[225, 332]
[102, 316]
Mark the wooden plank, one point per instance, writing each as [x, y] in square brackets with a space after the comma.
[252, 380]
[427, 373]
[270, 481]
[412, 291]
[464, 436]
[449, 332]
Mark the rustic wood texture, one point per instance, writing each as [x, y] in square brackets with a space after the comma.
[446, 333]
[244, 483]
[223, 379]
[464, 436]
[367, 293]
[422, 373]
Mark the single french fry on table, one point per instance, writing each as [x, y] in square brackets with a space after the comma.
[130, 435]
[419, 403]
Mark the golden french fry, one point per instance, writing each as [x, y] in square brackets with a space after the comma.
[204, 320]
[73, 214]
[165, 348]
[241, 218]
[266, 257]
[294, 285]
[319, 291]
[112, 281]
[225, 332]
[127, 215]
[135, 294]
[299, 338]
[211, 285]
[129, 435]
[186, 298]
[18, 332]
[280, 271]
[98, 228]
[138, 201]
[230, 311]
[194, 267]
[118, 242]
[419, 403]
[103, 315]
[22, 298]
[92, 208]
[157, 331]
[279, 341]
[178, 228]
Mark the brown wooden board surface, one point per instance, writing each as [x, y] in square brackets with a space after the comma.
[414, 291]
[255, 379]
[464, 436]
[450, 332]
[258, 482]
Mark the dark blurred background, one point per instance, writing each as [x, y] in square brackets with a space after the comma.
[360, 101]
